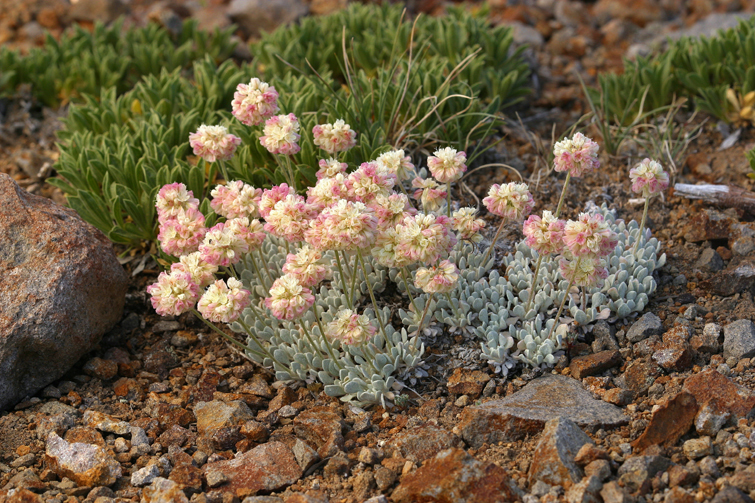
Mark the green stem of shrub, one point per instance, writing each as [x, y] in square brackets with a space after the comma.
[534, 283]
[566, 295]
[642, 226]
[563, 193]
[374, 301]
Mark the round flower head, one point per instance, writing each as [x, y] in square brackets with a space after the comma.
[174, 199]
[439, 279]
[386, 250]
[544, 235]
[330, 168]
[327, 191]
[511, 201]
[174, 293]
[235, 199]
[648, 178]
[428, 193]
[467, 225]
[281, 135]
[270, 197]
[224, 302]
[345, 225]
[350, 328]
[254, 102]
[307, 266]
[213, 143]
[288, 299]
[397, 163]
[222, 246]
[447, 165]
[335, 137]
[289, 218]
[182, 234]
[368, 182]
[392, 210]
[201, 272]
[576, 155]
[589, 236]
[591, 270]
[425, 238]
[250, 231]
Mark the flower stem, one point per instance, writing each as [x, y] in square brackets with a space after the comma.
[374, 301]
[226, 336]
[259, 274]
[309, 339]
[223, 171]
[422, 318]
[568, 288]
[408, 291]
[456, 311]
[563, 193]
[257, 341]
[534, 283]
[448, 198]
[291, 174]
[495, 240]
[642, 226]
[346, 292]
[328, 346]
[369, 357]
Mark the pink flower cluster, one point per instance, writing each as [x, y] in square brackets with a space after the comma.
[223, 246]
[425, 238]
[182, 225]
[345, 225]
[270, 198]
[253, 103]
[467, 225]
[174, 293]
[397, 163]
[648, 178]
[576, 155]
[545, 235]
[587, 271]
[213, 143]
[438, 279]
[429, 193]
[281, 135]
[173, 199]
[307, 266]
[289, 218]
[350, 328]
[447, 165]
[589, 236]
[368, 182]
[330, 167]
[511, 201]
[288, 299]
[334, 138]
[236, 199]
[224, 301]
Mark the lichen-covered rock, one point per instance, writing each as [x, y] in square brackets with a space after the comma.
[61, 289]
[86, 464]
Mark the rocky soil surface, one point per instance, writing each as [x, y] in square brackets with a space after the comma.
[655, 408]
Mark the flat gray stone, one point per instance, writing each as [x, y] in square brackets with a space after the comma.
[553, 461]
[649, 324]
[739, 339]
[526, 411]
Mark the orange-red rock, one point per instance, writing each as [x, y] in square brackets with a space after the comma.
[669, 422]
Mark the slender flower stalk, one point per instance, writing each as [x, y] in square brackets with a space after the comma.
[642, 226]
[344, 285]
[534, 283]
[511, 201]
[405, 277]
[566, 294]
[492, 244]
[563, 194]
[648, 179]
[328, 346]
[314, 346]
[374, 301]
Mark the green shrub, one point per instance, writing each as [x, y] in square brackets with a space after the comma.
[109, 57]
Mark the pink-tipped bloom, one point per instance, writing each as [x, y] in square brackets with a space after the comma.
[346, 225]
[223, 303]
[222, 246]
[281, 135]
[236, 199]
[425, 238]
[576, 155]
[392, 210]
[182, 234]
[173, 199]
[467, 225]
[545, 235]
[438, 279]
[428, 193]
[386, 250]
[289, 218]
[329, 168]
[350, 328]
[202, 273]
[447, 165]
[250, 231]
[307, 266]
[335, 137]
[589, 236]
[511, 201]
[174, 293]
[591, 270]
[288, 299]
[270, 197]
[213, 143]
[255, 102]
[368, 182]
[326, 192]
[397, 163]
[648, 178]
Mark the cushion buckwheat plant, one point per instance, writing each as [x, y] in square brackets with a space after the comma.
[300, 277]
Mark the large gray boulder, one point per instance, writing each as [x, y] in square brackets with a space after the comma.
[61, 289]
